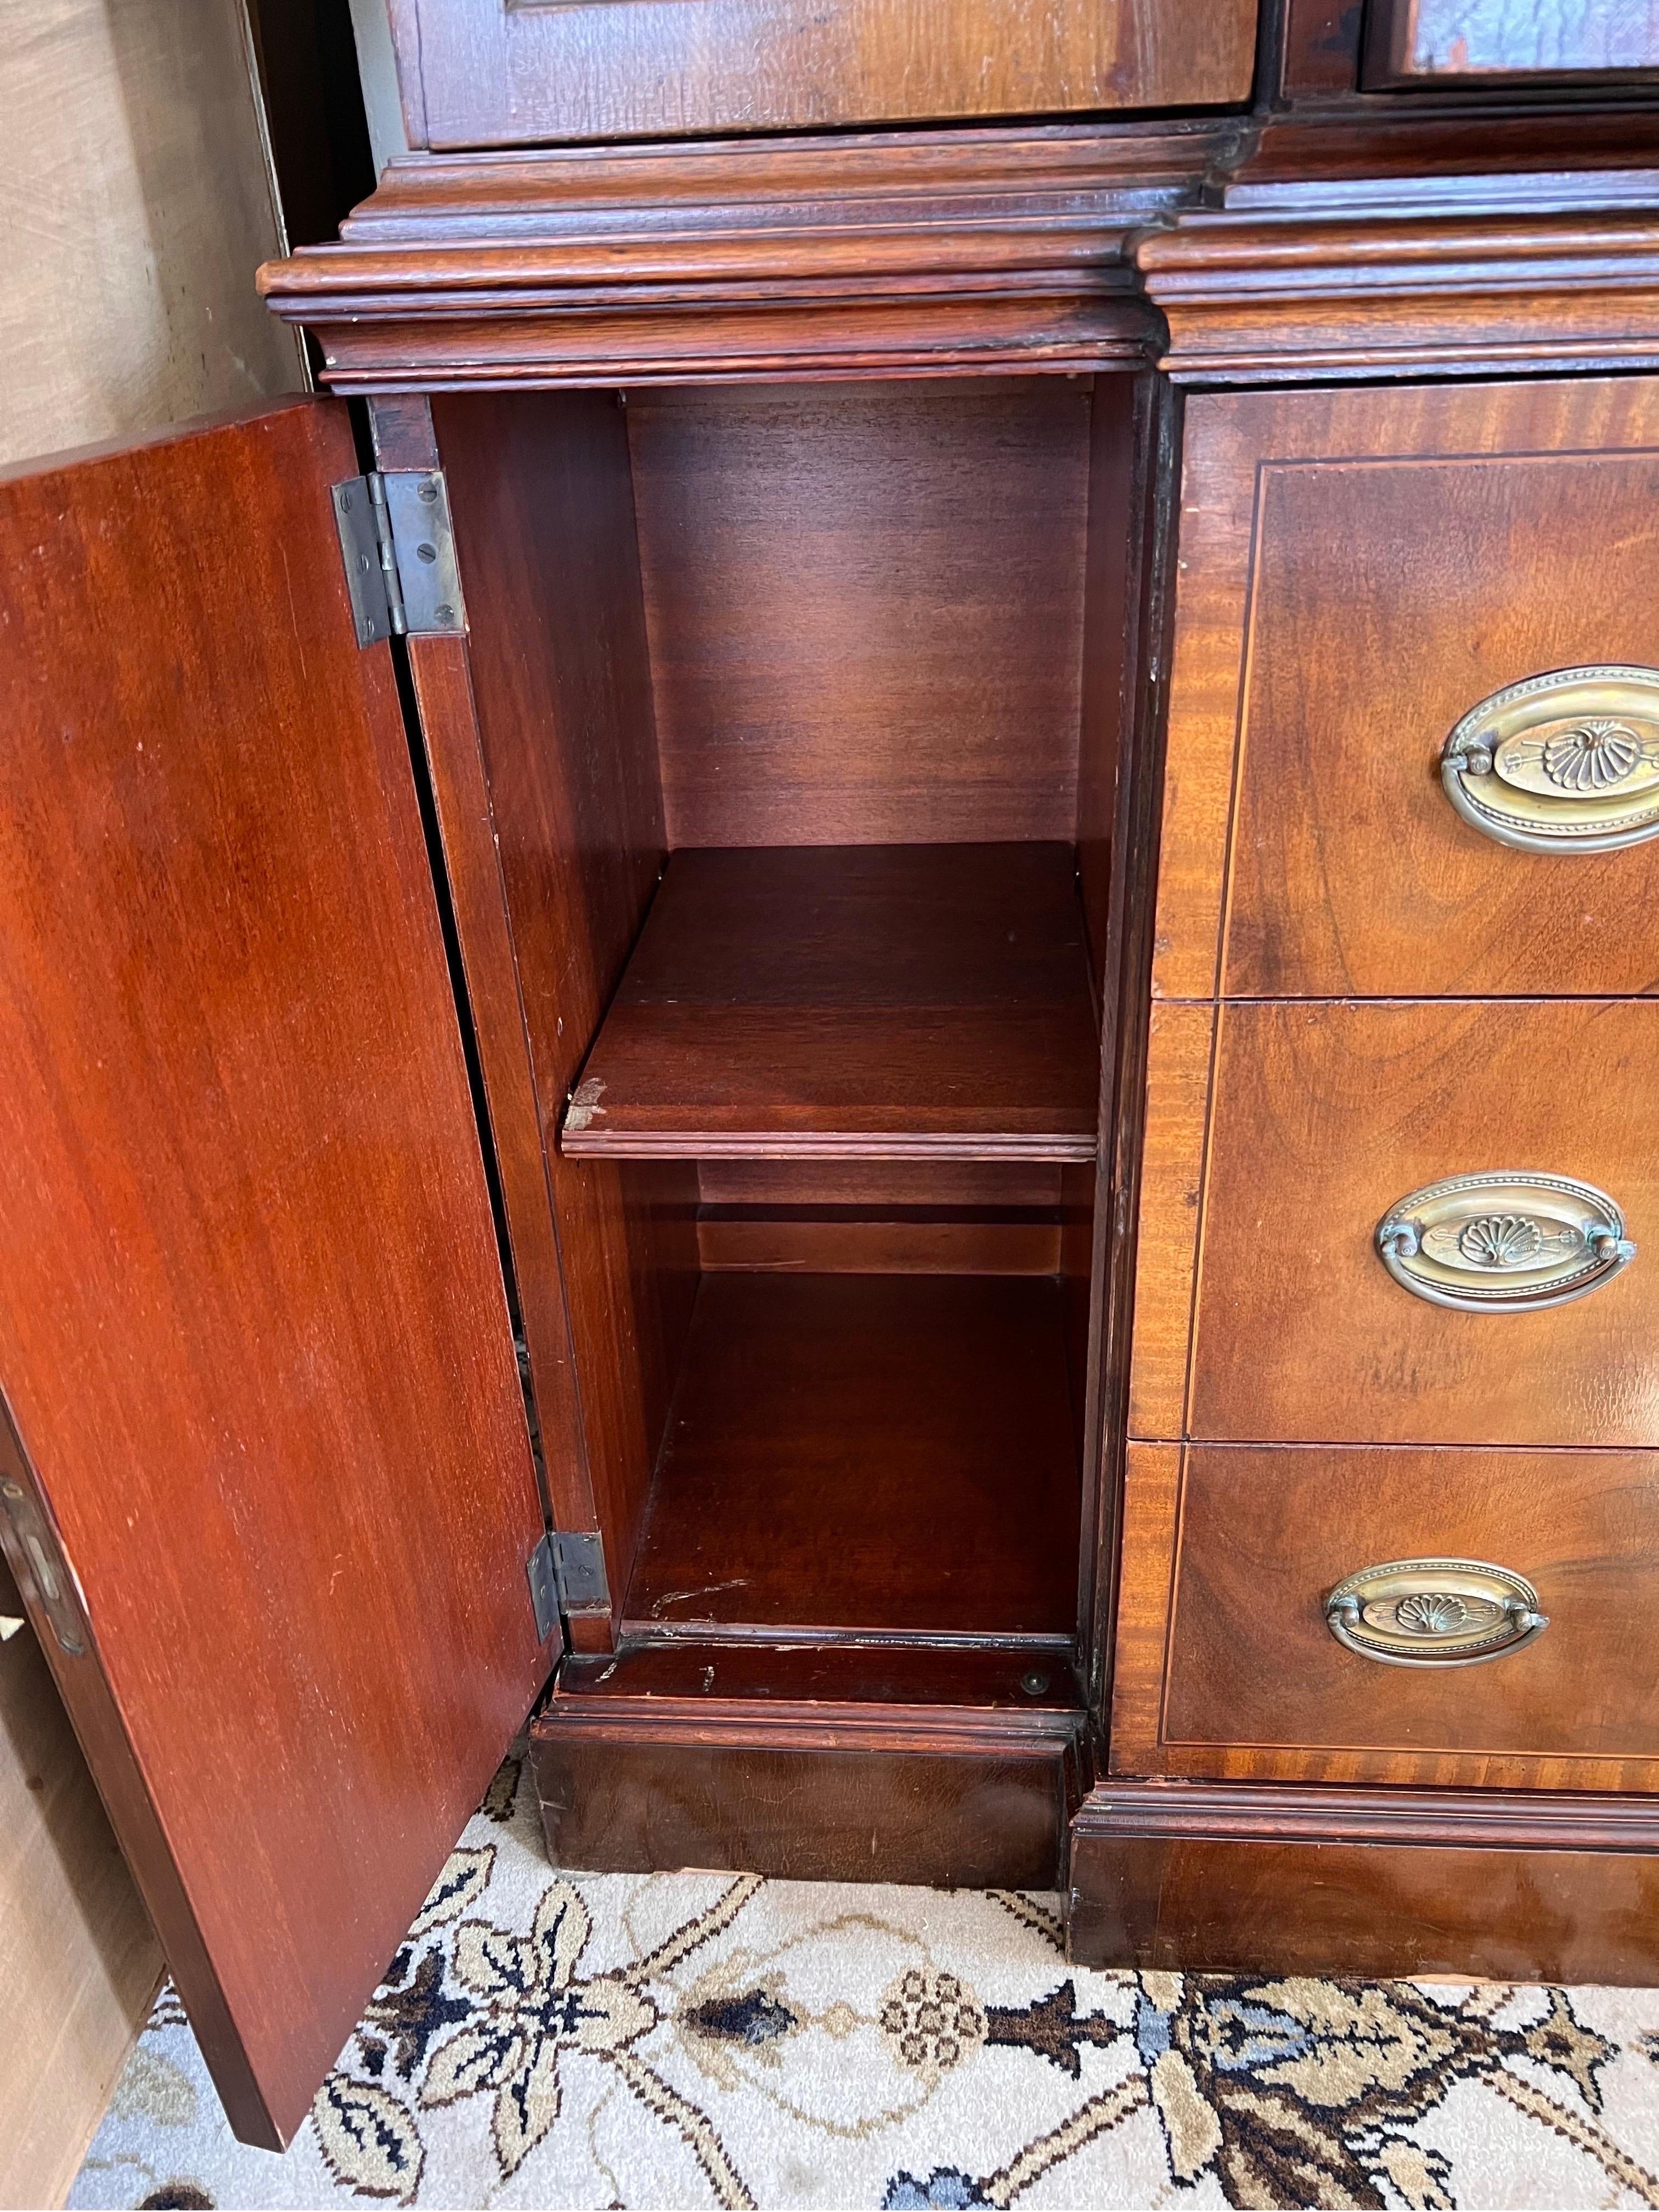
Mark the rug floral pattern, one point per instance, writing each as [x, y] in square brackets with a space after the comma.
[708, 2040]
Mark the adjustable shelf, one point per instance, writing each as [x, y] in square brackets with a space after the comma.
[867, 1454]
[877, 1002]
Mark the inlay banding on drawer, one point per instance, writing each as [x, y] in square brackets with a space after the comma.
[1324, 1117]
[1227, 1662]
[1359, 572]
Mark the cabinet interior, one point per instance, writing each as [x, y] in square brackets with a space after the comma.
[798, 707]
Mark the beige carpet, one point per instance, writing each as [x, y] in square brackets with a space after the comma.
[692, 2040]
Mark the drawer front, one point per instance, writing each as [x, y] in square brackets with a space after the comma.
[482, 73]
[1328, 1122]
[1364, 574]
[1234, 1553]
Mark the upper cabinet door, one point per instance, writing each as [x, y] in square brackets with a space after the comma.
[269, 1485]
[1441, 45]
[503, 73]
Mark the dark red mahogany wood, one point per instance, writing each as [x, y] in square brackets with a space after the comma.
[1252, 1879]
[253, 1337]
[473, 73]
[871, 254]
[877, 639]
[954, 1767]
[821, 1001]
[880, 1453]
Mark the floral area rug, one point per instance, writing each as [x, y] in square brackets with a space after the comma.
[684, 2040]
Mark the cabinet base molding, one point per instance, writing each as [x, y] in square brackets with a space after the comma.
[1257, 1879]
[808, 1787]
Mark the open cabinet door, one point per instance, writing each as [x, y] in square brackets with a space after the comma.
[269, 1488]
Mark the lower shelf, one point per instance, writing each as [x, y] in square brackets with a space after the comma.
[876, 1455]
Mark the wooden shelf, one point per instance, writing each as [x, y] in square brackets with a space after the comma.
[881, 1454]
[881, 1002]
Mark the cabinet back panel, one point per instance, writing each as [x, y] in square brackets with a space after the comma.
[878, 1186]
[864, 605]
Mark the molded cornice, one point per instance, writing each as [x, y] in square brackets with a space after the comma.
[894, 253]
[1294, 251]
[1397, 272]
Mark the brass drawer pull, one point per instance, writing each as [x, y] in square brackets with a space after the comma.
[1505, 1241]
[1434, 1612]
[1565, 762]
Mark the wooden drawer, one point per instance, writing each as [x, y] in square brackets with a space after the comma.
[1359, 571]
[483, 73]
[1227, 1665]
[1322, 1119]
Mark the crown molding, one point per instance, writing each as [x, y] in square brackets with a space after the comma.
[1381, 279]
[890, 253]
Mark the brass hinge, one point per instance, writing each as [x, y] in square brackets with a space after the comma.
[399, 555]
[567, 1575]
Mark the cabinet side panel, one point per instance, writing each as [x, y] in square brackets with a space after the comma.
[542, 498]
[1120, 456]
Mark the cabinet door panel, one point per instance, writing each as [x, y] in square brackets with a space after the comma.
[487, 73]
[273, 1490]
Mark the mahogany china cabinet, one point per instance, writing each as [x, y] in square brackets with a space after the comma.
[866, 1002]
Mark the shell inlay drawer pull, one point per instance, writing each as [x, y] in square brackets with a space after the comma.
[1434, 1612]
[1506, 1241]
[1565, 762]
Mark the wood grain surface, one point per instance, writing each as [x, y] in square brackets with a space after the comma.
[254, 1291]
[822, 1001]
[817, 257]
[966, 1808]
[1390, 597]
[1180, 1050]
[553, 815]
[866, 609]
[1499, 284]
[942, 1764]
[1334, 670]
[1247, 1681]
[1322, 1907]
[868, 1452]
[1324, 1117]
[474, 74]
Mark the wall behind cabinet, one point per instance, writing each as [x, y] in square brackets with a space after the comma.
[139, 202]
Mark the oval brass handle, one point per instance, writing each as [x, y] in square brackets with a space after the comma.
[1434, 1612]
[1563, 762]
[1505, 1241]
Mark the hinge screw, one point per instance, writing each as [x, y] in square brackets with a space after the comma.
[429, 490]
[443, 611]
